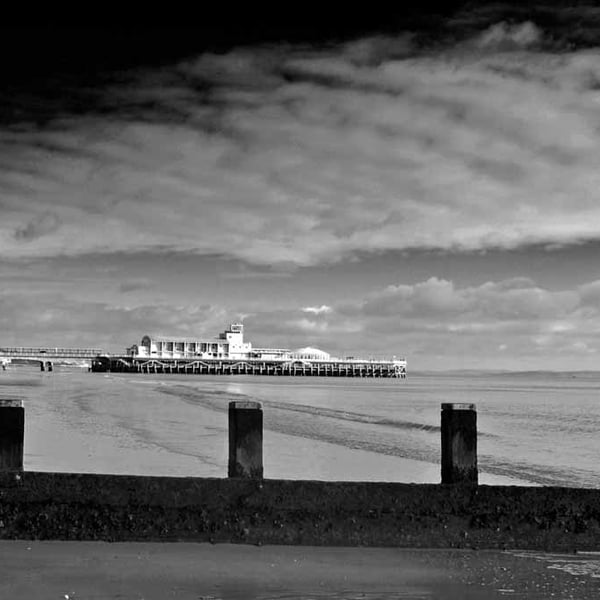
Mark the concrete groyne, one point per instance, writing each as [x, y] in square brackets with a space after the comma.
[245, 508]
[66, 506]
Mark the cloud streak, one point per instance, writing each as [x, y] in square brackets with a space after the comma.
[287, 154]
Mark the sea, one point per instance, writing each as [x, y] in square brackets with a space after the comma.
[534, 428]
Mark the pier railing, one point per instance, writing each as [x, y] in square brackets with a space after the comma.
[252, 366]
[46, 352]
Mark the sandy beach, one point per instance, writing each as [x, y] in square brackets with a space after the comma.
[318, 430]
[155, 571]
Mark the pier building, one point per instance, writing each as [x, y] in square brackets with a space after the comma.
[229, 354]
[229, 344]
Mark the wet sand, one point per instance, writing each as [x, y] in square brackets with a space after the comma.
[177, 426]
[100, 570]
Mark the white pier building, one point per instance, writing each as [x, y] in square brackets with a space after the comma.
[227, 345]
[229, 353]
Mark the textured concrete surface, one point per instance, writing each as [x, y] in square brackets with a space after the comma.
[61, 506]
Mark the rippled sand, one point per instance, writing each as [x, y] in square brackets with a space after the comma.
[532, 430]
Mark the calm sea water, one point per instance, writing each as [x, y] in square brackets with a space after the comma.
[534, 428]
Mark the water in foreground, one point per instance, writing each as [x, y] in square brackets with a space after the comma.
[534, 428]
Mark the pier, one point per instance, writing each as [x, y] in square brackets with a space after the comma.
[46, 356]
[229, 354]
[290, 368]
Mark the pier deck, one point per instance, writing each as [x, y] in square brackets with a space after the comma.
[182, 366]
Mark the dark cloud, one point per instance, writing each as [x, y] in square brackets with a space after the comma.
[51, 70]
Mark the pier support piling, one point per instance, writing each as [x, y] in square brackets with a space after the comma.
[459, 444]
[245, 440]
[12, 430]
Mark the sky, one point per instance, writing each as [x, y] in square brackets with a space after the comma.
[419, 182]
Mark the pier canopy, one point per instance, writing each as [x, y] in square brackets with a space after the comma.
[309, 353]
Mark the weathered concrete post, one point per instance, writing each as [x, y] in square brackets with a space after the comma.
[12, 430]
[245, 440]
[459, 443]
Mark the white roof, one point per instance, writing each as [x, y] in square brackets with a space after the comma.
[170, 338]
[312, 351]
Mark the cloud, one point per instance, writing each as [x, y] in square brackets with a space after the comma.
[135, 285]
[513, 324]
[506, 36]
[489, 305]
[309, 325]
[317, 310]
[292, 155]
[55, 319]
[568, 25]
[40, 225]
[434, 296]
[373, 51]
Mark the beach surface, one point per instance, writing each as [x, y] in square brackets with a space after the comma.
[100, 570]
[325, 429]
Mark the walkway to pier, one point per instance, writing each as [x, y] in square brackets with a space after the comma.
[41, 353]
[46, 356]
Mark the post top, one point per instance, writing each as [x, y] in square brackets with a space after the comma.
[10, 402]
[245, 404]
[458, 406]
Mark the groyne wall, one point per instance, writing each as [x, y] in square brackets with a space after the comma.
[247, 508]
[70, 506]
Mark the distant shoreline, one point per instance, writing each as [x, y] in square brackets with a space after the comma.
[483, 372]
